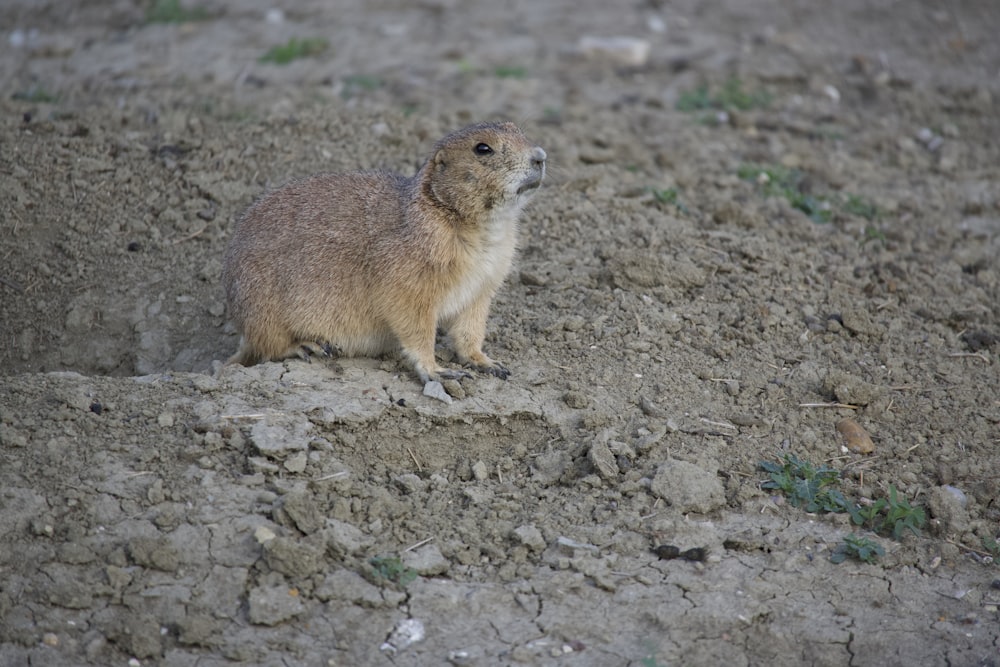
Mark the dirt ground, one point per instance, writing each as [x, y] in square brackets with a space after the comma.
[678, 314]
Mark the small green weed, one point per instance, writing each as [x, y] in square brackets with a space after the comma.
[171, 11]
[805, 485]
[993, 547]
[808, 486]
[35, 94]
[670, 197]
[859, 547]
[873, 233]
[893, 515]
[731, 96]
[294, 49]
[510, 72]
[391, 568]
[778, 181]
[855, 205]
[902, 516]
[356, 83]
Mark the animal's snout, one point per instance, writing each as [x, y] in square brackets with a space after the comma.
[538, 157]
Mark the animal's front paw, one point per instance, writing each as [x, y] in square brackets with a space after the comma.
[449, 374]
[496, 370]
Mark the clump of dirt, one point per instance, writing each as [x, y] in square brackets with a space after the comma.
[778, 220]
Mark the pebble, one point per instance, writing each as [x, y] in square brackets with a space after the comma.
[435, 389]
[625, 50]
[297, 462]
[50, 639]
[856, 438]
[480, 471]
[576, 399]
[407, 632]
[529, 536]
[272, 605]
[427, 561]
[603, 461]
[688, 487]
[263, 534]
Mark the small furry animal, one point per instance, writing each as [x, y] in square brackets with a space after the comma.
[365, 263]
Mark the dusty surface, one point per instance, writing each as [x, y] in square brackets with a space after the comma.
[154, 514]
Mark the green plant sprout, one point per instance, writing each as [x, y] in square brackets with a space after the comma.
[294, 49]
[391, 568]
[858, 547]
[171, 11]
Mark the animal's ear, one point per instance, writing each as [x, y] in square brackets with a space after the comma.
[439, 161]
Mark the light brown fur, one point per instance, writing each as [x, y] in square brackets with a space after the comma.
[374, 261]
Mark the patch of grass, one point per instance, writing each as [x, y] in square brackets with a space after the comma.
[510, 72]
[778, 181]
[855, 205]
[859, 547]
[356, 83]
[993, 548]
[731, 96]
[294, 49]
[894, 515]
[810, 487]
[806, 485]
[695, 100]
[901, 516]
[670, 197]
[36, 95]
[171, 11]
[391, 569]
[873, 233]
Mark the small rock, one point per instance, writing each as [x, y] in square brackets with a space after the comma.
[301, 510]
[345, 539]
[856, 438]
[50, 639]
[576, 400]
[573, 545]
[409, 483]
[480, 471]
[650, 409]
[273, 604]
[859, 321]
[435, 389]
[407, 632]
[292, 557]
[549, 467]
[947, 507]
[297, 462]
[687, 487]
[625, 50]
[529, 536]
[350, 587]
[276, 441]
[427, 561]
[263, 534]
[851, 390]
[154, 552]
[603, 461]
[454, 389]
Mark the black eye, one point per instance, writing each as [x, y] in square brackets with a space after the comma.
[483, 149]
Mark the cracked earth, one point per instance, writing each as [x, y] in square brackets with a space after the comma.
[670, 324]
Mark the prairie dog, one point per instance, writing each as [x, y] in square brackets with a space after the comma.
[365, 263]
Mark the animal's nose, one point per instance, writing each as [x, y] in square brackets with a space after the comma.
[538, 156]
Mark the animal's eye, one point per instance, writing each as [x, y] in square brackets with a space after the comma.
[483, 149]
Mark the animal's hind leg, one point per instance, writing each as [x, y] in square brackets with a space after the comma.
[306, 350]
